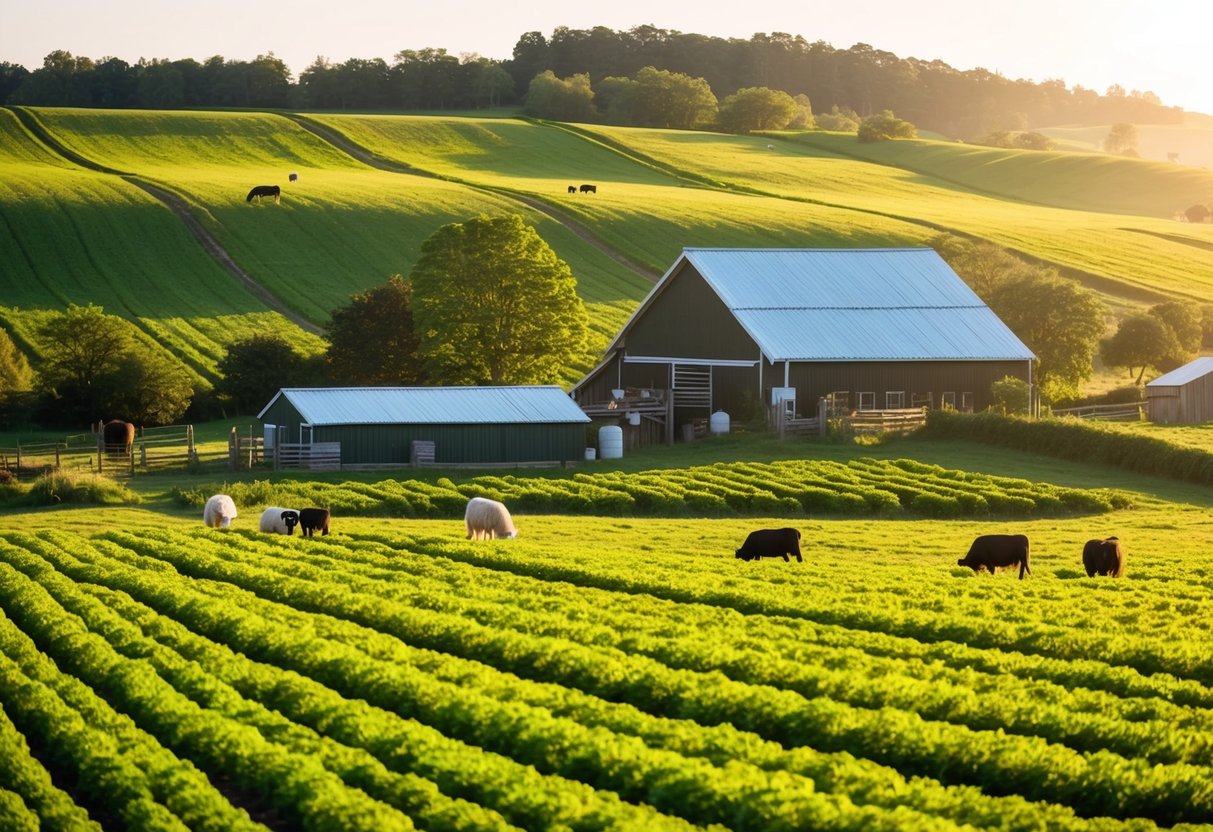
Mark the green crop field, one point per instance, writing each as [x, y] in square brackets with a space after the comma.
[617, 671]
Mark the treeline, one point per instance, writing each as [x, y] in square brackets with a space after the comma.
[930, 94]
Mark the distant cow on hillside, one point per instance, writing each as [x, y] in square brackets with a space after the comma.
[1104, 557]
[293, 177]
[998, 551]
[259, 191]
[572, 189]
[589, 189]
[771, 543]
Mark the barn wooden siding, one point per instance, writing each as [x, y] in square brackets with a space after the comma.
[1183, 396]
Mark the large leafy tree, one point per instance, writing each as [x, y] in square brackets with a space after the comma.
[372, 340]
[256, 368]
[493, 304]
[149, 389]
[671, 99]
[757, 108]
[884, 125]
[1184, 320]
[1141, 341]
[1059, 320]
[564, 99]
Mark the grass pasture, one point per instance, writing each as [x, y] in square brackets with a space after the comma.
[615, 672]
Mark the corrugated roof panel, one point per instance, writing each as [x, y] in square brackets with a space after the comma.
[434, 405]
[831, 278]
[965, 333]
[1180, 376]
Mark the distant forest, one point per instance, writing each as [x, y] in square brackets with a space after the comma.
[930, 94]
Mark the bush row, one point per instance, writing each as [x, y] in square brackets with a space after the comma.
[790, 488]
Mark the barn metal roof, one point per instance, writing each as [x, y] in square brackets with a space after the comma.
[851, 304]
[1180, 376]
[534, 404]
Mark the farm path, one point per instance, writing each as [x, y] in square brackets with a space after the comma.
[216, 250]
[181, 210]
[343, 143]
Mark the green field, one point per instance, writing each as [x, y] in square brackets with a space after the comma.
[617, 671]
[74, 233]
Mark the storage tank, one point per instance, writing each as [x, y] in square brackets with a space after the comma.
[610, 441]
[718, 423]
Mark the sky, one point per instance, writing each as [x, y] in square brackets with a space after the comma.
[1092, 43]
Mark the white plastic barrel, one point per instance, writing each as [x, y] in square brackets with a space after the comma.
[718, 423]
[610, 441]
[633, 417]
[590, 453]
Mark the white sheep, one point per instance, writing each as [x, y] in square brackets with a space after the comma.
[219, 512]
[279, 520]
[487, 519]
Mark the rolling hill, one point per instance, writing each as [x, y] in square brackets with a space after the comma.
[86, 201]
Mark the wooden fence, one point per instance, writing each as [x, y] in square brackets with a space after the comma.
[315, 456]
[1124, 412]
[889, 420]
[152, 449]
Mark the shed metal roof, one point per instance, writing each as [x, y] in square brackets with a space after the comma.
[850, 305]
[1180, 376]
[534, 404]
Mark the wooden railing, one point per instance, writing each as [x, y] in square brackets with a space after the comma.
[1124, 412]
[315, 456]
[889, 420]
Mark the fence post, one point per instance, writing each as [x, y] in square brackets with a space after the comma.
[18, 459]
[823, 412]
[142, 458]
[56, 456]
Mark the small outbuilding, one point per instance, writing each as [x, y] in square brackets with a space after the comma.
[385, 426]
[1183, 396]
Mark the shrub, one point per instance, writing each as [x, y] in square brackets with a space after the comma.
[63, 486]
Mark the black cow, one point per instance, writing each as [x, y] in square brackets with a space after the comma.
[572, 189]
[998, 551]
[294, 177]
[313, 520]
[589, 189]
[259, 191]
[771, 543]
[1104, 557]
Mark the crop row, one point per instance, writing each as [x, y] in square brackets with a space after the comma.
[694, 637]
[1024, 765]
[791, 488]
[536, 732]
[748, 796]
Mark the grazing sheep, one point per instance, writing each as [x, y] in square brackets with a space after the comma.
[312, 520]
[277, 520]
[219, 512]
[770, 147]
[487, 519]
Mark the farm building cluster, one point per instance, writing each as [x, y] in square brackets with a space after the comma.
[723, 331]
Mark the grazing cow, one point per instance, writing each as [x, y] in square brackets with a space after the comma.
[771, 543]
[293, 177]
[259, 191]
[1104, 557]
[313, 520]
[118, 437]
[572, 189]
[998, 551]
[589, 189]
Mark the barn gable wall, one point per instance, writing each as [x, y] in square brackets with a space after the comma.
[689, 320]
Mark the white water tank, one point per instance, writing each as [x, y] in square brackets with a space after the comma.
[590, 453]
[718, 423]
[610, 441]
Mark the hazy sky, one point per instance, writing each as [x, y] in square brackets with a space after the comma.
[1095, 43]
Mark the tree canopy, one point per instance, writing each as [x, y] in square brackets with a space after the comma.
[1141, 341]
[564, 99]
[493, 304]
[757, 108]
[372, 340]
[884, 125]
[255, 368]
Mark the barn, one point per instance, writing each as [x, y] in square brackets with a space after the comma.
[385, 426]
[1183, 396]
[872, 329]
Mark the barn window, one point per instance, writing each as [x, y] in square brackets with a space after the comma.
[966, 402]
[867, 401]
[948, 400]
[895, 398]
